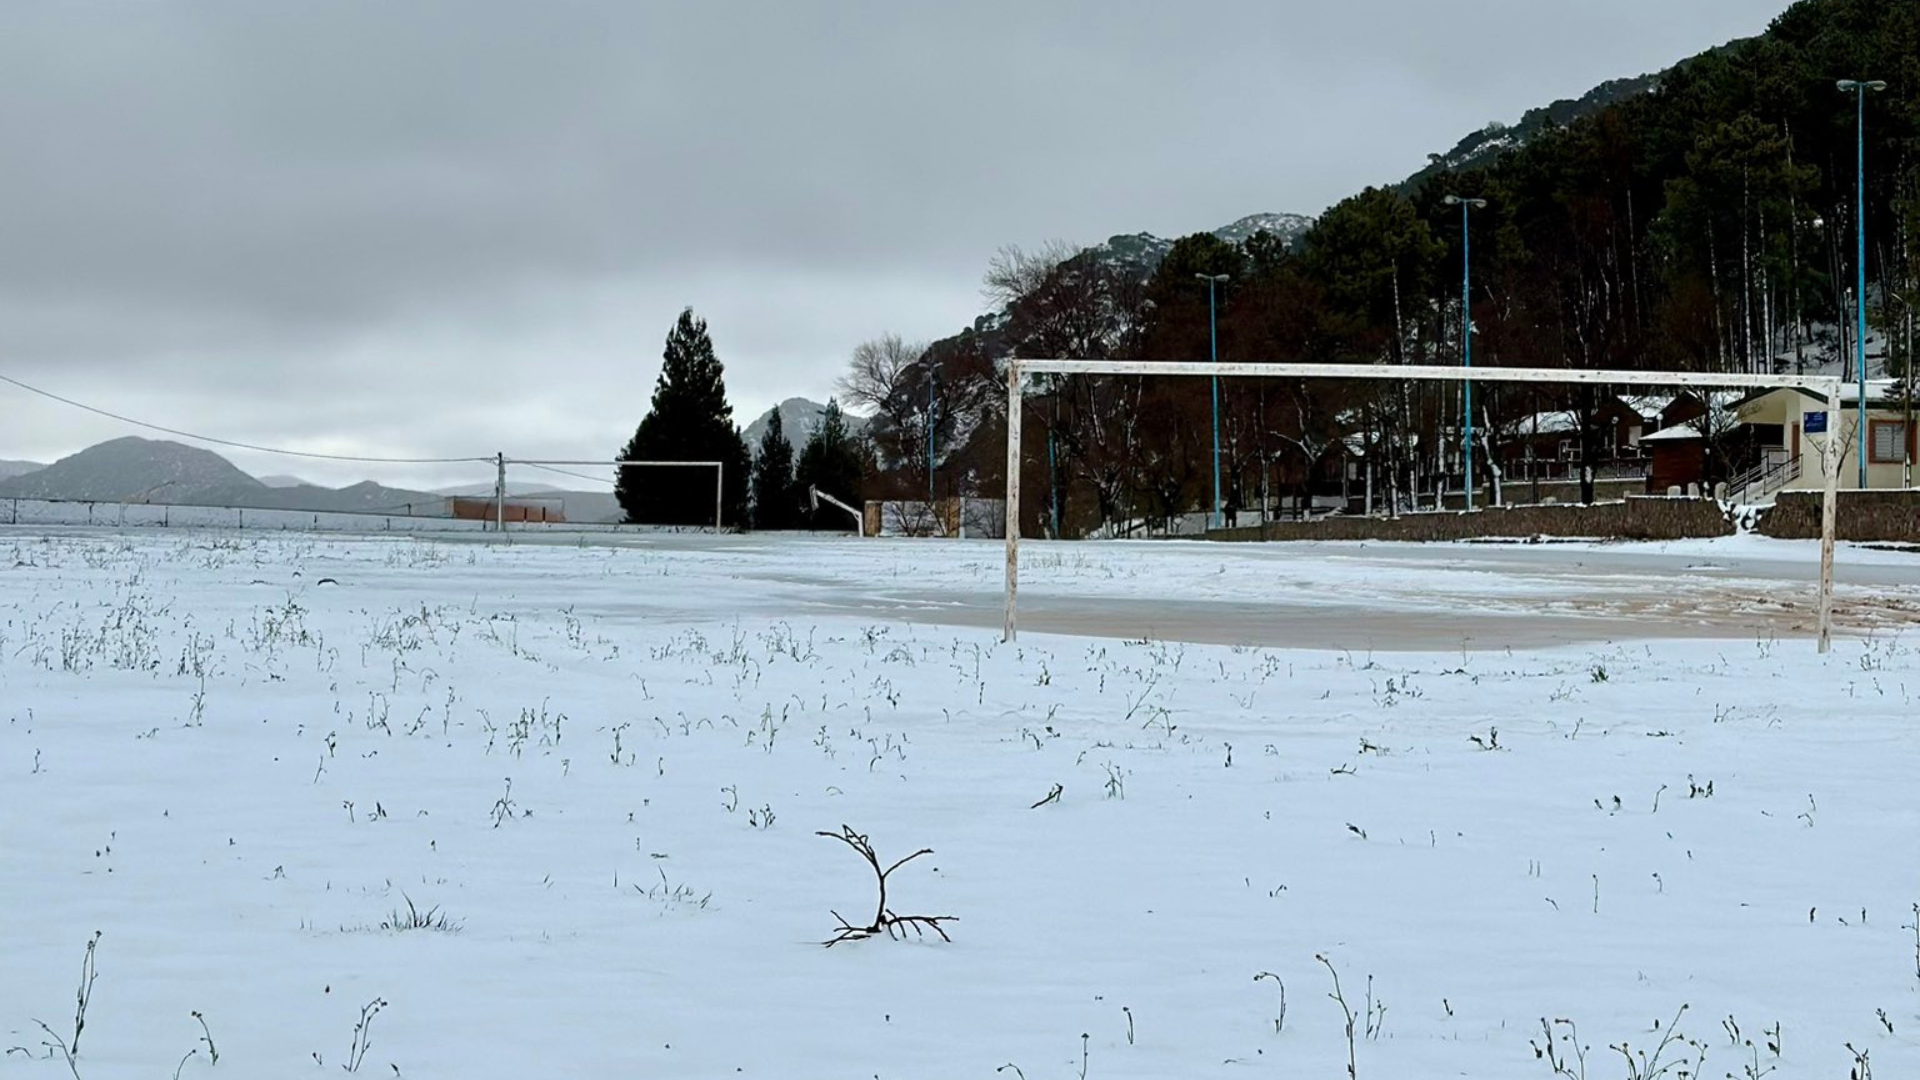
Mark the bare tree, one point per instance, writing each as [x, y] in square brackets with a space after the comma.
[1015, 272]
[1714, 425]
[1062, 301]
[924, 403]
[887, 380]
[877, 369]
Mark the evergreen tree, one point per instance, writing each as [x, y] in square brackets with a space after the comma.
[835, 462]
[775, 503]
[690, 420]
[1178, 304]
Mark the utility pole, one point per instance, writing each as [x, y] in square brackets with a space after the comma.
[500, 493]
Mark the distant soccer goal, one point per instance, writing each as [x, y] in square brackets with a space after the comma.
[1018, 369]
[501, 498]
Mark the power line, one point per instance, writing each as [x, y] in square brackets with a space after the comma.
[229, 442]
[617, 465]
[562, 472]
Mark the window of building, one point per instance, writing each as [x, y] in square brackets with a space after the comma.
[1887, 441]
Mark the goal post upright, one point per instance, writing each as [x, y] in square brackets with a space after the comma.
[1824, 385]
[1014, 397]
[1829, 500]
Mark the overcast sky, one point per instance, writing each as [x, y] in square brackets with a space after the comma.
[425, 229]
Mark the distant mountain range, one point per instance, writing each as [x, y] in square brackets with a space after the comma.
[11, 469]
[140, 470]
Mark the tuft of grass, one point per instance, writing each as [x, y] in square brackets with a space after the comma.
[417, 918]
[69, 1047]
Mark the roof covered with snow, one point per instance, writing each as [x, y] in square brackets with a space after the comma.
[1676, 433]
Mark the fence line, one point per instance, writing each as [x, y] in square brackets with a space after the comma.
[66, 512]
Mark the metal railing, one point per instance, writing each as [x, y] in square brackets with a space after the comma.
[1520, 469]
[1777, 469]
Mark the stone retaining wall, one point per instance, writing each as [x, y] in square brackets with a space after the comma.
[1637, 518]
[1859, 515]
[1563, 492]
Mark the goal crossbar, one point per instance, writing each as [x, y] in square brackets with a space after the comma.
[719, 479]
[1826, 386]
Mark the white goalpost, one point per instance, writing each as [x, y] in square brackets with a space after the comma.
[1825, 386]
[500, 485]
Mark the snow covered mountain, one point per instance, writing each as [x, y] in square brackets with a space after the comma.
[798, 418]
[1141, 252]
[1287, 227]
[11, 469]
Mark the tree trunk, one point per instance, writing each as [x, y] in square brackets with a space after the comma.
[1589, 443]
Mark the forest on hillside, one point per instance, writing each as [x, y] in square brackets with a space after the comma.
[1705, 224]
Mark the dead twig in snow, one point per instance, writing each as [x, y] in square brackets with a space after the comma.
[1346, 1010]
[885, 921]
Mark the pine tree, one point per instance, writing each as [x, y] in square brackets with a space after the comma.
[835, 462]
[775, 505]
[690, 420]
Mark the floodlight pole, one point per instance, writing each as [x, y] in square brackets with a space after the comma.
[1466, 325]
[1213, 347]
[1858, 88]
[500, 493]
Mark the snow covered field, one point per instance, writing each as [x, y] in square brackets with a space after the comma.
[602, 766]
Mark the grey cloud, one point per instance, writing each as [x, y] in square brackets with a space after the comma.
[337, 220]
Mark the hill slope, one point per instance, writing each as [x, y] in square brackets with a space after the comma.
[1140, 253]
[798, 418]
[136, 469]
[1479, 149]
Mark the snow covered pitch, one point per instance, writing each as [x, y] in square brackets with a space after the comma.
[437, 808]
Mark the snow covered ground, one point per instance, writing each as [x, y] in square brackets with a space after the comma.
[604, 762]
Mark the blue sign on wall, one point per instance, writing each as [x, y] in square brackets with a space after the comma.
[1815, 423]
